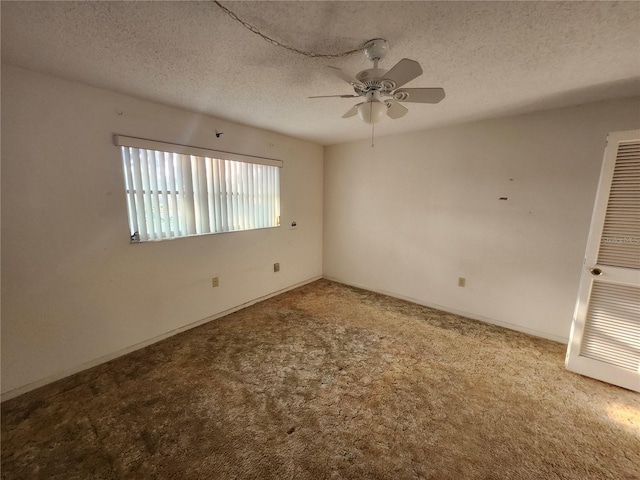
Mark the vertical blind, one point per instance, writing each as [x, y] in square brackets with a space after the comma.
[172, 195]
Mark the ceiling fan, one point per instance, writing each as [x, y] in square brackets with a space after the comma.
[381, 88]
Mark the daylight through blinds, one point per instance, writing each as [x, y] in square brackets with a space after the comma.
[173, 195]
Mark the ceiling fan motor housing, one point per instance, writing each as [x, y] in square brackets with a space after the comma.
[372, 80]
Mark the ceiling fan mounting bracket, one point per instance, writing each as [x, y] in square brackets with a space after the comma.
[376, 49]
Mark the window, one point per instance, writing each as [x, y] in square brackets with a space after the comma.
[178, 191]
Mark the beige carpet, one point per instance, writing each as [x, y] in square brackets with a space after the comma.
[328, 382]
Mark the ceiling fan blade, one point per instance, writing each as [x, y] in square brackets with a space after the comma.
[395, 110]
[404, 71]
[419, 95]
[352, 112]
[345, 76]
[337, 96]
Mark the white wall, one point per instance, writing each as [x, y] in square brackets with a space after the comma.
[419, 210]
[407, 217]
[73, 289]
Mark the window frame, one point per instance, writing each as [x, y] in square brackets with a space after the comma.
[246, 164]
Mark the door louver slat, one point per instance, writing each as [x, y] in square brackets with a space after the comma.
[620, 244]
[612, 327]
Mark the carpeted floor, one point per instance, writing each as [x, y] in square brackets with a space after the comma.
[328, 382]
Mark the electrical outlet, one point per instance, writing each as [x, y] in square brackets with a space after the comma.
[276, 267]
[214, 282]
[462, 282]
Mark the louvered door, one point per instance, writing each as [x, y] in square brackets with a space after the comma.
[605, 334]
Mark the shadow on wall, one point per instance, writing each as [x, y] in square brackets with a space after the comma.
[629, 87]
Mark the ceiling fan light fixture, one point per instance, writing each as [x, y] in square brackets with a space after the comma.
[372, 112]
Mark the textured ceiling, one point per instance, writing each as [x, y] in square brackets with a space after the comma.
[492, 58]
